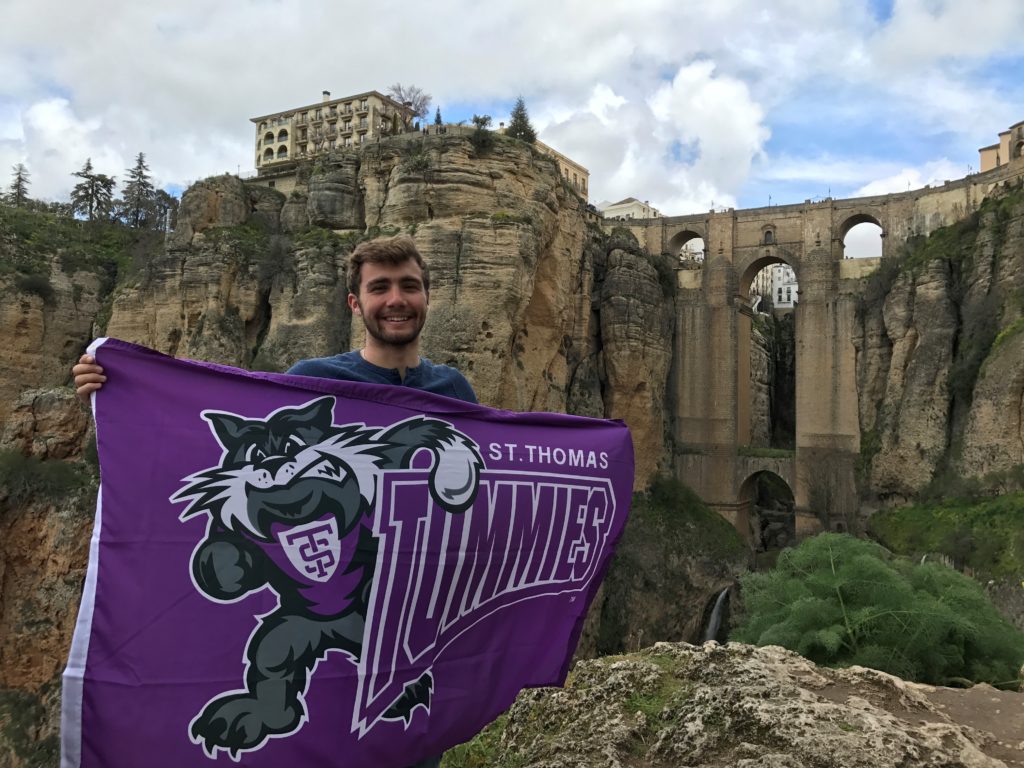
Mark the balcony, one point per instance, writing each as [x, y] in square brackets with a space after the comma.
[346, 128]
[362, 109]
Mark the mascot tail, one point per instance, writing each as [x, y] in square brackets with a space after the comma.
[455, 475]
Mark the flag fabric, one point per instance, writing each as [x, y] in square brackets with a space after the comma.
[308, 572]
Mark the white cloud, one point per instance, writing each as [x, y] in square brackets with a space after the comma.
[933, 173]
[667, 101]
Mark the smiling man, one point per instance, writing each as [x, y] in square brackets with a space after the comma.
[389, 287]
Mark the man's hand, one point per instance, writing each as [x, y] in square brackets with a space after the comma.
[88, 377]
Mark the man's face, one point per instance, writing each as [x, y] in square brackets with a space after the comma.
[392, 302]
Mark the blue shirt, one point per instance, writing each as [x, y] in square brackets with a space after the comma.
[427, 376]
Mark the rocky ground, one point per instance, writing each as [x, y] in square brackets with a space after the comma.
[713, 706]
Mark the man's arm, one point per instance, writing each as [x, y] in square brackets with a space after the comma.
[88, 377]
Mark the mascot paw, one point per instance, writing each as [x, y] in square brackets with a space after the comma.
[238, 722]
[416, 694]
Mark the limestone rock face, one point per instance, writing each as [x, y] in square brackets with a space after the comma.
[940, 361]
[636, 322]
[43, 337]
[739, 706]
[921, 322]
[334, 201]
[761, 376]
[46, 424]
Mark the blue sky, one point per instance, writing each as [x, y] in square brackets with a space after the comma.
[681, 103]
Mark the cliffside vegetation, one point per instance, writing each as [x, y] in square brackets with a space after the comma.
[985, 536]
[840, 601]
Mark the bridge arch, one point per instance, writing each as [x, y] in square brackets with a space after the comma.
[749, 267]
[683, 236]
[852, 221]
[772, 510]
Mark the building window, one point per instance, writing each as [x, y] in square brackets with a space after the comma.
[269, 138]
[268, 154]
[282, 135]
[769, 237]
[270, 183]
[282, 153]
[364, 105]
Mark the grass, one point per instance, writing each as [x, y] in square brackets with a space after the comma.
[986, 535]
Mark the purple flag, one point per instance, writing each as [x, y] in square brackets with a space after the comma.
[296, 571]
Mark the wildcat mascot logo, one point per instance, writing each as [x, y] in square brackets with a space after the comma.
[290, 508]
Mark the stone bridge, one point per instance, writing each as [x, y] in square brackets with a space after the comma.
[710, 386]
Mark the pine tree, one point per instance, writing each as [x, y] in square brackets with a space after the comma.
[519, 124]
[437, 118]
[138, 194]
[19, 185]
[92, 196]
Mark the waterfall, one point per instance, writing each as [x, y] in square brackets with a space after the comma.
[715, 622]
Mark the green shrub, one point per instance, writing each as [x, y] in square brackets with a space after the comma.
[37, 285]
[23, 478]
[986, 536]
[841, 601]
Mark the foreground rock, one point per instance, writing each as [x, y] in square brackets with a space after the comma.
[684, 706]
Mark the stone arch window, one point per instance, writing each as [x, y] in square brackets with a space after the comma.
[282, 153]
[268, 138]
[769, 237]
[263, 125]
[282, 135]
[268, 154]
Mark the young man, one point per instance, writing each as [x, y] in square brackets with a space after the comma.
[389, 287]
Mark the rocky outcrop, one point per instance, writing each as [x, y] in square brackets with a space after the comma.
[738, 706]
[45, 322]
[762, 375]
[940, 360]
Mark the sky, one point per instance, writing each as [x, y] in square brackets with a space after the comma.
[727, 103]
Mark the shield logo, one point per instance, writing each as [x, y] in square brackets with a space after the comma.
[313, 548]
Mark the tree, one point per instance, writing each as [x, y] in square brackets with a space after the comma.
[437, 118]
[519, 124]
[165, 208]
[417, 98]
[841, 601]
[19, 185]
[92, 196]
[481, 139]
[138, 194]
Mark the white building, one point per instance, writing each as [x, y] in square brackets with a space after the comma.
[784, 287]
[630, 208]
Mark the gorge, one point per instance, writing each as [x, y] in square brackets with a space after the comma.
[909, 371]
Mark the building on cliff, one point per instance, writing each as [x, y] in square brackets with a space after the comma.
[314, 129]
[1010, 147]
[575, 175]
[629, 208]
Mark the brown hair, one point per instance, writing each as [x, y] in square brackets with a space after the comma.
[384, 250]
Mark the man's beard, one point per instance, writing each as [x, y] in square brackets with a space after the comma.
[394, 338]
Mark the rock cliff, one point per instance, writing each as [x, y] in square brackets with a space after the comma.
[941, 357]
